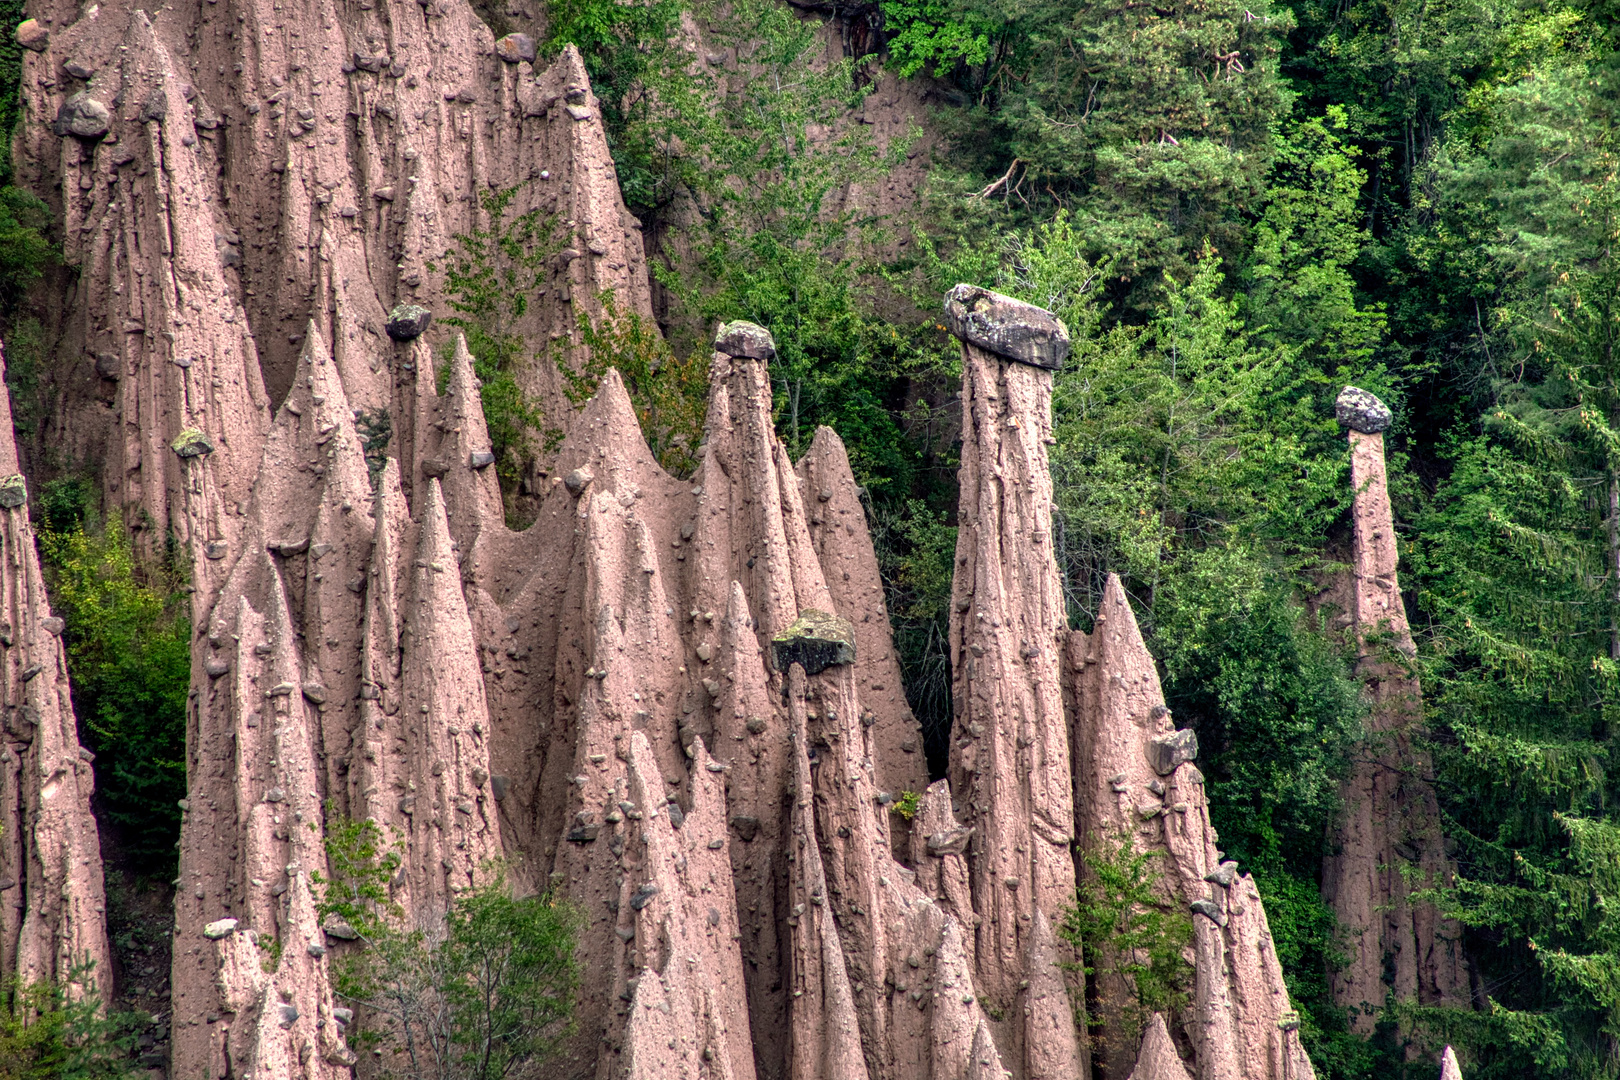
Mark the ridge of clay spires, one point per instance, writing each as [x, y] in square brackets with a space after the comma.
[1391, 818]
[1136, 781]
[1063, 736]
[1010, 756]
[203, 257]
[176, 338]
[53, 918]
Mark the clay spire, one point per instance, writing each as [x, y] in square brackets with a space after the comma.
[453, 447]
[1390, 824]
[53, 916]
[1137, 786]
[1449, 1069]
[751, 524]
[445, 810]
[171, 338]
[1010, 764]
[843, 546]
[1157, 1059]
[688, 1012]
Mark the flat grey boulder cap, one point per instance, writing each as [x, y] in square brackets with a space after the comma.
[1361, 411]
[816, 641]
[408, 322]
[1009, 328]
[745, 339]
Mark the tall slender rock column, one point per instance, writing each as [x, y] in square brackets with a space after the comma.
[1010, 748]
[1391, 819]
[53, 911]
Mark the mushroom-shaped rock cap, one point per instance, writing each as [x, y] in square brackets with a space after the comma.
[1009, 328]
[816, 641]
[745, 339]
[191, 443]
[13, 491]
[1361, 411]
[408, 322]
[31, 34]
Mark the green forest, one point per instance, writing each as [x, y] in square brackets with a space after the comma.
[1237, 207]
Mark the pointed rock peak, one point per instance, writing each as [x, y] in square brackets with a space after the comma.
[1449, 1069]
[827, 450]
[606, 430]
[8, 443]
[434, 541]
[461, 388]
[570, 68]
[985, 1061]
[1360, 410]
[1011, 329]
[610, 411]
[310, 378]
[1116, 624]
[146, 56]
[742, 339]
[1158, 1060]
[140, 30]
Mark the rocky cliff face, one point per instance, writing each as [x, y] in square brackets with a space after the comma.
[674, 703]
[1391, 820]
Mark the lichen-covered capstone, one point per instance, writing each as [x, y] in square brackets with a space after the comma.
[407, 322]
[13, 491]
[1011, 329]
[191, 443]
[1361, 411]
[745, 340]
[816, 641]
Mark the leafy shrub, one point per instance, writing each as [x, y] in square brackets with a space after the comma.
[670, 395]
[491, 274]
[128, 652]
[484, 992]
[47, 1033]
[935, 35]
[1128, 934]
[24, 250]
